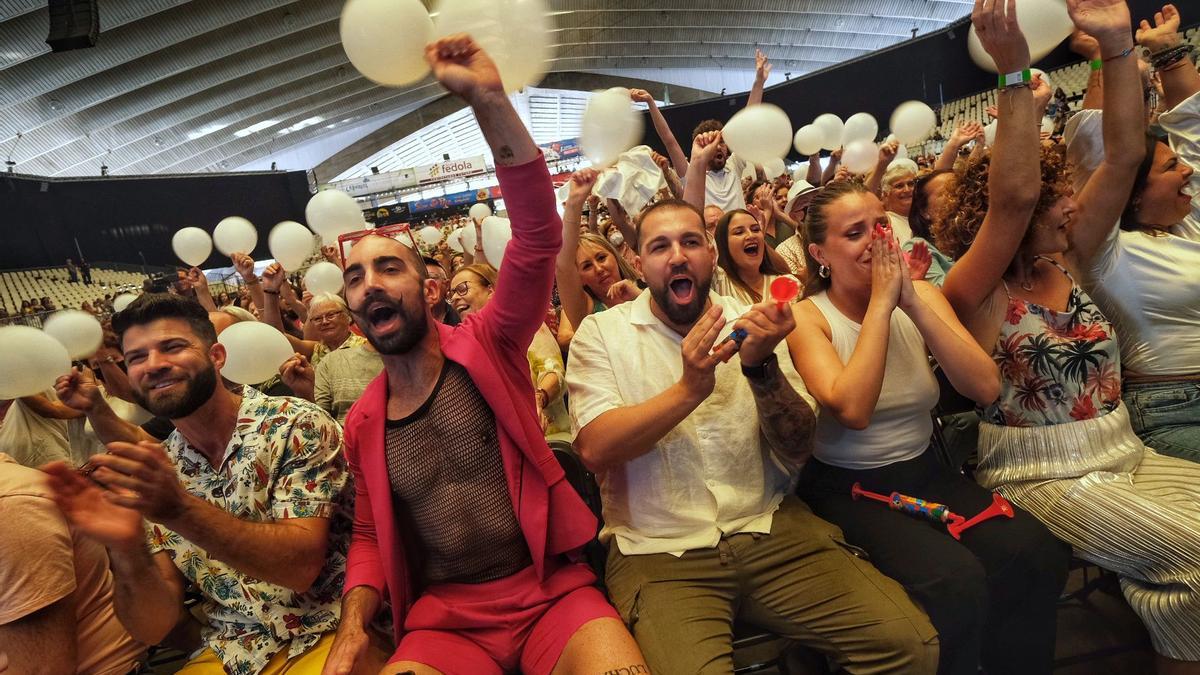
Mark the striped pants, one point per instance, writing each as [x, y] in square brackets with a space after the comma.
[1119, 504]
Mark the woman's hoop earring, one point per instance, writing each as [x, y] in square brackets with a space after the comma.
[823, 272]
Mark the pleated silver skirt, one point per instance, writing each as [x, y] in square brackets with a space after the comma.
[1120, 505]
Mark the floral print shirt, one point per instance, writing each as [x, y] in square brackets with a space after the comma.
[284, 460]
[1056, 367]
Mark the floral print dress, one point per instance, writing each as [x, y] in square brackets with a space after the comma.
[1056, 367]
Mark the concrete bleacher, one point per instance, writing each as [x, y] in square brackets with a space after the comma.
[19, 285]
[1072, 79]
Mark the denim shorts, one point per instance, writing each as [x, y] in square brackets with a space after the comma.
[1166, 416]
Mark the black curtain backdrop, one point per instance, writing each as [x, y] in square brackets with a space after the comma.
[119, 219]
[934, 68]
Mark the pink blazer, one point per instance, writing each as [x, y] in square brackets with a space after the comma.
[491, 345]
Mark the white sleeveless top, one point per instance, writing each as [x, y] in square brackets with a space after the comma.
[901, 427]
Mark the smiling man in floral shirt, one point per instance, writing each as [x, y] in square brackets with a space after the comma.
[246, 500]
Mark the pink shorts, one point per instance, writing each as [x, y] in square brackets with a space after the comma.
[504, 625]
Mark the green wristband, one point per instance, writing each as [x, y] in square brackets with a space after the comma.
[1097, 64]
[1016, 79]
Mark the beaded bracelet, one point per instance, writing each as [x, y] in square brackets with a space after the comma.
[1170, 56]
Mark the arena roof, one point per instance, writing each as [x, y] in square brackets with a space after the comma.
[179, 86]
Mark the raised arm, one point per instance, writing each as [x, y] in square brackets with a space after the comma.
[78, 390]
[887, 153]
[762, 70]
[199, 283]
[961, 136]
[527, 275]
[814, 170]
[1014, 177]
[835, 160]
[1104, 195]
[704, 146]
[274, 278]
[575, 301]
[244, 265]
[674, 151]
[1178, 74]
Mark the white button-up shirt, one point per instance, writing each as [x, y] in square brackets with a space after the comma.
[714, 474]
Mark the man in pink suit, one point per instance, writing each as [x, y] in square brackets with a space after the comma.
[464, 520]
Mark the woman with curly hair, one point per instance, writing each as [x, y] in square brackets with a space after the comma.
[1057, 441]
[1145, 276]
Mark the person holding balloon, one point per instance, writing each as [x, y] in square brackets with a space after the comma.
[1058, 441]
[591, 274]
[865, 329]
[490, 588]
[246, 500]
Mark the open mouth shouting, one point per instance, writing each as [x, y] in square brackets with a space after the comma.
[682, 288]
[752, 248]
[383, 317]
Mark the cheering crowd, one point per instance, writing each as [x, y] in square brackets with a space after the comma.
[390, 503]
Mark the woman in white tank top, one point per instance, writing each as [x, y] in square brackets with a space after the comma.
[864, 329]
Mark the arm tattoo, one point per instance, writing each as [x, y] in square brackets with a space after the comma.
[786, 419]
[504, 154]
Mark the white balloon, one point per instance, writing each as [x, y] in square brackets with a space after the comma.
[333, 212]
[290, 243]
[1045, 24]
[912, 121]
[759, 133]
[831, 127]
[515, 33]
[480, 211]
[430, 235]
[609, 126]
[254, 351]
[235, 234]
[385, 39]
[860, 156]
[774, 168]
[30, 361]
[496, 234]
[122, 301]
[860, 127]
[192, 245]
[454, 240]
[1047, 125]
[77, 330]
[808, 139]
[800, 173]
[323, 277]
[468, 238]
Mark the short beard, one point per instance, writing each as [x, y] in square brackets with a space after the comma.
[682, 315]
[199, 390]
[414, 329]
